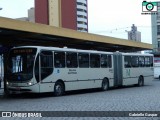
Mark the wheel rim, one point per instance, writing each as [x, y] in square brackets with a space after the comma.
[58, 89]
[140, 81]
[104, 85]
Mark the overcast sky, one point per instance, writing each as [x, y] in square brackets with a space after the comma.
[106, 17]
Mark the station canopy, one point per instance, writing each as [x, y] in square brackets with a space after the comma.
[21, 33]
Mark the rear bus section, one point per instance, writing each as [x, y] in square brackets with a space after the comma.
[132, 68]
[137, 69]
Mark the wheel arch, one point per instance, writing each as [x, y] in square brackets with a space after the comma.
[61, 81]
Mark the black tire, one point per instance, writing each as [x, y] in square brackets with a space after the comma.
[58, 89]
[140, 81]
[105, 85]
[159, 77]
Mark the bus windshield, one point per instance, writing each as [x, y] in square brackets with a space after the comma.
[20, 64]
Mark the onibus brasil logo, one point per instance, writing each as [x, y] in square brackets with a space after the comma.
[149, 7]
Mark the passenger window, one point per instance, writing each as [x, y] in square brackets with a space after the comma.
[109, 61]
[46, 64]
[141, 61]
[83, 59]
[147, 61]
[135, 61]
[36, 70]
[71, 60]
[106, 61]
[127, 62]
[59, 59]
[94, 61]
[151, 61]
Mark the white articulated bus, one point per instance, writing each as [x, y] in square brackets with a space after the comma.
[49, 69]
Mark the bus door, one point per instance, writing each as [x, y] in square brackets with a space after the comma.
[117, 58]
[43, 69]
[37, 72]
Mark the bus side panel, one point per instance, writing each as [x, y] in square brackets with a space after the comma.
[34, 88]
[88, 78]
[47, 84]
[131, 75]
[68, 76]
[148, 75]
[82, 78]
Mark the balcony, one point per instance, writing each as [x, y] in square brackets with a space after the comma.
[82, 26]
[82, 19]
[82, 7]
[82, 1]
[81, 13]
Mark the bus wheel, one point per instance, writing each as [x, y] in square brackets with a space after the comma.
[140, 81]
[58, 89]
[159, 77]
[105, 85]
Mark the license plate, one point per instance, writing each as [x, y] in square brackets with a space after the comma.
[18, 88]
[14, 84]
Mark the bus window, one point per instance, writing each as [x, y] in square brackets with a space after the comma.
[83, 59]
[71, 60]
[135, 61]
[36, 69]
[127, 61]
[46, 64]
[147, 61]
[109, 61]
[106, 61]
[151, 61]
[94, 61]
[20, 64]
[141, 61]
[59, 59]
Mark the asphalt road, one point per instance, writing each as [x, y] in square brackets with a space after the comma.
[146, 98]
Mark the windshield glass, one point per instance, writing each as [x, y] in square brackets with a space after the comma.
[20, 64]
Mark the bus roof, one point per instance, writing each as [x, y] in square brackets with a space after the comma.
[63, 49]
[137, 54]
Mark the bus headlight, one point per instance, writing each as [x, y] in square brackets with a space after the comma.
[7, 83]
[29, 83]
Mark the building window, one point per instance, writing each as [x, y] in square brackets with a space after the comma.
[158, 29]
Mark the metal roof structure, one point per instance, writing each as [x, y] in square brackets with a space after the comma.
[20, 33]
